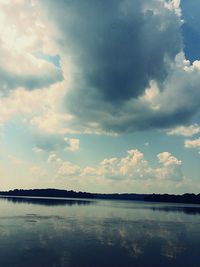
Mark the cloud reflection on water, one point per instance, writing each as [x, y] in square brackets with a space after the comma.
[100, 234]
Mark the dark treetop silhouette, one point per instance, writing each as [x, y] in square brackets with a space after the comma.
[185, 198]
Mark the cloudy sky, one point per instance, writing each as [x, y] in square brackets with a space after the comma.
[100, 96]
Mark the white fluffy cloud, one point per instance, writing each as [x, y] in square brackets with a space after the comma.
[22, 34]
[27, 52]
[38, 109]
[185, 130]
[133, 166]
[193, 143]
[129, 173]
[167, 159]
[68, 169]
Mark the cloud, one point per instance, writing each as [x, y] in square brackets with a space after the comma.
[37, 149]
[38, 171]
[112, 52]
[63, 168]
[54, 159]
[129, 173]
[119, 70]
[55, 143]
[167, 159]
[174, 5]
[171, 167]
[14, 160]
[185, 130]
[126, 73]
[72, 144]
[51, 122]
[68, 169]
[193, 143]
[28, 104]
[132, 167]
[22, 34]
[39, 110]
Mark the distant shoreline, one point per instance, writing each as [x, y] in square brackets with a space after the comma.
[58, 193]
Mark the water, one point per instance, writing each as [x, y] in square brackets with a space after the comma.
[80, 233]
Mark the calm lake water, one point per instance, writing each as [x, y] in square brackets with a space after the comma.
[80, 233]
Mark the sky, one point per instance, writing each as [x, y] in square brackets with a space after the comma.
[100, 96]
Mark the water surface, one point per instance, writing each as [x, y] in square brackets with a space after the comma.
[97, 233]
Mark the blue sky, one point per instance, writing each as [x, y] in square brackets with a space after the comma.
[100, 96]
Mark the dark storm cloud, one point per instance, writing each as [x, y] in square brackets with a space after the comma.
[117, 48]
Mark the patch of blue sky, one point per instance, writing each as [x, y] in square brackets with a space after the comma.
[190, 28]
[54, 59]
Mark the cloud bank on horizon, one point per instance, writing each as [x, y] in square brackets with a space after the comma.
[97, 67]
